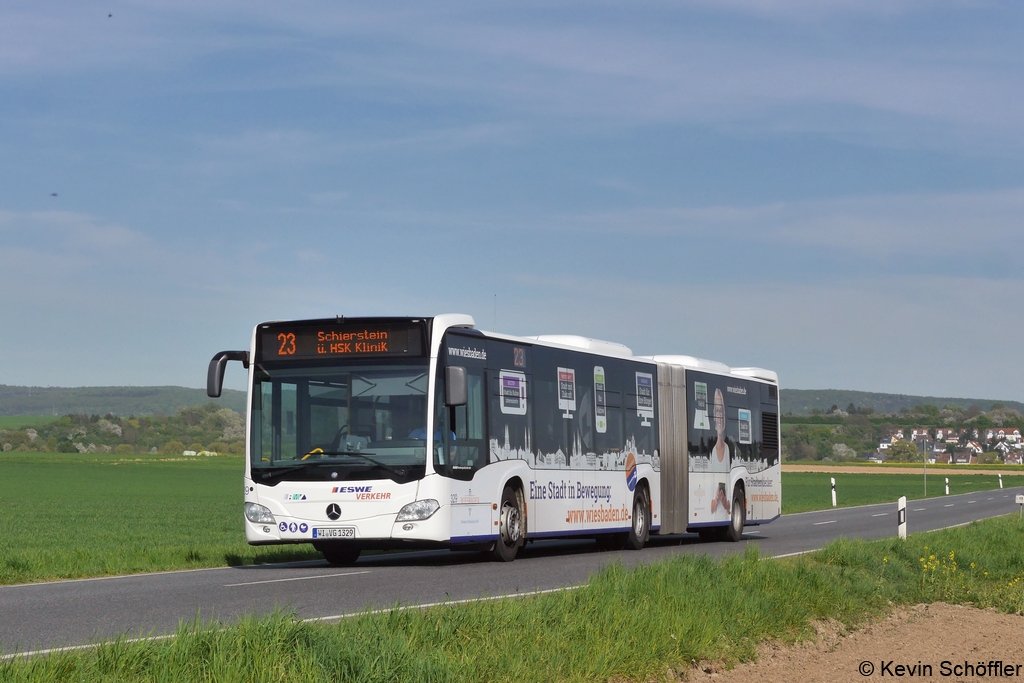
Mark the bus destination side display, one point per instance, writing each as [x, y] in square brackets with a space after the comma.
[331, 341]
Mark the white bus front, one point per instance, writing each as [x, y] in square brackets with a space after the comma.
[337, 443]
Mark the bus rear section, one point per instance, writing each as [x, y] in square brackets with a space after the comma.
[720, 464]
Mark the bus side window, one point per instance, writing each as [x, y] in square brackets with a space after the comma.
[611, 440]
[586, 416]
[440, 424]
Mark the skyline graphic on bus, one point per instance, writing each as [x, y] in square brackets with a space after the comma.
[577, 458]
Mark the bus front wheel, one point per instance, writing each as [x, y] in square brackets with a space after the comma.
[339, 555]
[510, 526]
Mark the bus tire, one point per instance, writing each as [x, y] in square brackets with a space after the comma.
[737, 516]
[339, 555]
[510, 526]
[710, 534]
[640, 526]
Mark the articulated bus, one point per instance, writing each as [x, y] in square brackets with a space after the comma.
[385, 433]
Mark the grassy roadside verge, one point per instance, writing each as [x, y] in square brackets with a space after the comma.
[883, 467]
[637, 625]
[806, 491]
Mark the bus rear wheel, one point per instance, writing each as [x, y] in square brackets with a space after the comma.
[339, 555]
[510, 526]
[710, 534]
[640, 528]
[737, 517]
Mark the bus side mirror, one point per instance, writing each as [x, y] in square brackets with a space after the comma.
[455, 386]
[215, 373]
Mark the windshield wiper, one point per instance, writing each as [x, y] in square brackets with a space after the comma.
[363, 455]
[277, 471]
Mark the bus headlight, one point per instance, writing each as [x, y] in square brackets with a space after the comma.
[257, 514]
[421, 509]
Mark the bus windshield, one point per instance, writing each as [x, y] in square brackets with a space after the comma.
[351, 422]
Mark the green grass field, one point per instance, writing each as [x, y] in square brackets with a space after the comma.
[654, 622]
[18, 421]
[70, 515]
[804, 491]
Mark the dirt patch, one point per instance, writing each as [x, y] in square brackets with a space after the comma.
[919, 636]
[869, 469]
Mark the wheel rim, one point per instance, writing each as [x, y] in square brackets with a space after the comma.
[639, 518]
[510, 524]
[737, 516]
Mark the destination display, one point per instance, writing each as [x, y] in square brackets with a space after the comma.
[333, 340]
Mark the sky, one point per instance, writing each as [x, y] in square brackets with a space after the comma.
[832, 190]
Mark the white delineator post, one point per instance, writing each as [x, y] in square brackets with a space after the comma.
[901, 518]
[833, 491]
[947, 486]
[1020, 501]
[1000, 480]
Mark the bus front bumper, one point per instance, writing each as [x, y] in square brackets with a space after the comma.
[368, 532]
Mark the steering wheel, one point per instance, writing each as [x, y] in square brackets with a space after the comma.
[336, 441]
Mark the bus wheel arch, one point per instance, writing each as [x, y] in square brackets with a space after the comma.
[511, 522]
[516, 484]
[640, 519]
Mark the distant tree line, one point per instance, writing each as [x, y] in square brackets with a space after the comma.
[121, 401]
[806, 401]
[838, 435]
[208, 427]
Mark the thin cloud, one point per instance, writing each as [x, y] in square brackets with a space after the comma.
[879, 333]
[923, 225]
[271, 148]
[68, 232]
[685, 64]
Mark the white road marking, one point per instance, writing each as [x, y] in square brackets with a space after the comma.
[297, 578]
[948, 506]
[72, 648]
[831, 521]
[972, 501]
[752, 532]
[388, 610]
[990, 499]
[943, 528]
[127, 576]
[919, 509]
[802, 552]
[880, 514]
[90, 646]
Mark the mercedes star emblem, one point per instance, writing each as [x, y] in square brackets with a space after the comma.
[333, 511]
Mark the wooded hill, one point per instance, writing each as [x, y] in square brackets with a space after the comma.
[806, 401]
[121, 401]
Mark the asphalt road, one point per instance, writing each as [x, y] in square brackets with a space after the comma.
[68, 613]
